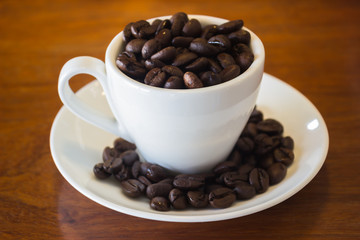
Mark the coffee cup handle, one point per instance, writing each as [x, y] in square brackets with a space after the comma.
[96, 68]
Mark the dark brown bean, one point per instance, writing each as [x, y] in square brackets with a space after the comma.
[221, 41]
[225, 59]
[192, 28]
[158, 189]
[192, 81]
[209, 78]
[198, 65]
[221, 198]
[156, 173]
[230, 26]
[284, 155]
[130, 67]
[164, 37]
[181, 41]
[223, 167]
[244, 190]
[259, 178]
[100, 172]
[178, 199]
[150, 47]
[198, 199]
[165, 55]
[276, 172]
[209, 31]
[129, 157]
[240, 36]
[172, 71]
[136, 28]
[270, 126]
[184, 59]
[230, 72]
[203, 48]
[160, 204]
[188, 182]
[174, 82]
[155, 77]
[132, 187]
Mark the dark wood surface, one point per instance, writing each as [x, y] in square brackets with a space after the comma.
[312, 45]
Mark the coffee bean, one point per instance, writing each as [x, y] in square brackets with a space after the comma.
[203, 48]
[244, 190]
[256, 116]
[160, 204]
[100, 172]
[137, 27]
[243, 56]
[192, 28]
[230, 26]
[123, 174]
[287, 142]
[240, 36]
[129, 157]
[135, 169]
[165, 24]
[210, 78]
[158, 189]
[276, 172]
[235, 157]
[135, 46]
[265, 161]
[198, 65]
[178, 21]
[173, 71]
[244, 171]
[270, 127]
[221, 41]
[150, 47]
[127, 35]
[225, 59]
[221, 198]
[192, 81]
[231, 178]
[165, 55]
[144, 181]
[214, 66]
[156, 173]
[155, 77]
[113, 165]
[188, 182]
[264, 143]
[153, 63]
[181, 41]
[250, 130]
[130, 67]
[108, 154]
[259, 178]
[184, 59]
[284, 155]
[209, 31]
[230, 72]
[245, 144]
[223, 167]
[178, 199]
[198, 199]
[144, 166]
[132, 187]
[174, 82]
[164, 37]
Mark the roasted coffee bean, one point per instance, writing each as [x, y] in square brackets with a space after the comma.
[144, 180]
[192, 81]
[231, 178]
[221, 198]
[244, 171]
[198, 199]
[135, 169]
[108, 154]
[209, 31]
[178, 199]
[144, 166]
[230, 26]
[156, 173]
[133, 187]
[265, 161]
[137, 27]
[174, 82]
[223, 167]
[155, 77]
[160, 204]
[244, 57]
[250, 159]
[123, 174]
[225, 59]
[230, 72]
[264, 143]
[244, 190]
[178, 21]
[259, 178]
[221, 41]
[129, 157]
[198, 65]
[240, 36]
[184, 59]
[165, 24]
[209, 78]
[130, 67]
[153, 63]
[127, 35]
[158, 189]
[211, 187]
[165, 55]
[192, 28]
[203, 48]
[156, 23]
[287, 142]
[188, 182]
[172, 71]
[235, 156]
[181, 41]
[245, 144]
[135, 46]
[250, 130]
[284, 155]
[276, 172]
[150, 47]
[100, 172]
[256, 116]
[270, 127]
[164, 37]
[214, 66]
[113, 165]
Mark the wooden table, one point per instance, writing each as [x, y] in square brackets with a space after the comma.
[312, 45]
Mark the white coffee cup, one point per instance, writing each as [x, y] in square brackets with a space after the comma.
[184, 130]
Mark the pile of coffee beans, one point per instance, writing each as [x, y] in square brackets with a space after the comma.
[179, 53]
[259, 159]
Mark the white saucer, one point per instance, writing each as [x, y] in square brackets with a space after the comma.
[76, 147]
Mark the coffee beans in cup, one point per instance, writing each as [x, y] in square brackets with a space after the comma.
[180, 53]
[259, 159]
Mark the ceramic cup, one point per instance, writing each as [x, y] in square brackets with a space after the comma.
[184, 130]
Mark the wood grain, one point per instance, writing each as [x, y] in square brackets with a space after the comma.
[312, 45]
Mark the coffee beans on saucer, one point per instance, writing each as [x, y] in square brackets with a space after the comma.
[259, 159]
[178, 53]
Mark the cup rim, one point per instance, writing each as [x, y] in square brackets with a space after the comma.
[113, 50]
